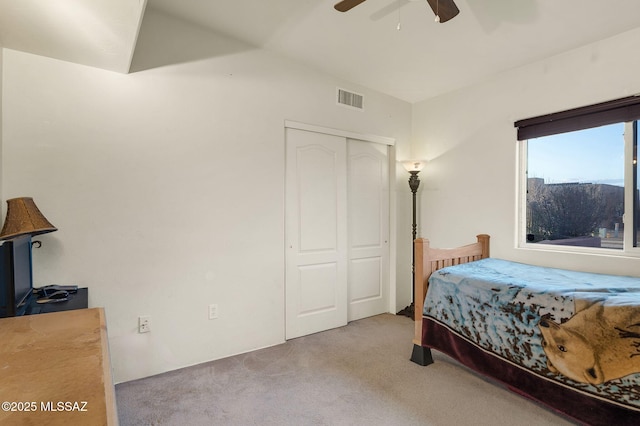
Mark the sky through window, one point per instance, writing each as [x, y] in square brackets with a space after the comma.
[587, 156]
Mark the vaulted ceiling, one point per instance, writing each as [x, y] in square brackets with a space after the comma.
[420, 60]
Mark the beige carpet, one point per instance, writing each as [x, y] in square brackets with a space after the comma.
[355, 375]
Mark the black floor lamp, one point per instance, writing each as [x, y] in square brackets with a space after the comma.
[413, 167]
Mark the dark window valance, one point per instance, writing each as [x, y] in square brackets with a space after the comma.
[617, 111]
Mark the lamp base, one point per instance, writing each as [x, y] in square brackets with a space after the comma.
[409, 311]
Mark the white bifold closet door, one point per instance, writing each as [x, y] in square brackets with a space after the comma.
[337, 226]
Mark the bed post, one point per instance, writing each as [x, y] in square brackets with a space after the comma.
[483, 239]
[420, 355]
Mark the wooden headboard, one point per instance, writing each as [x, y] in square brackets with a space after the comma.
[429, 260]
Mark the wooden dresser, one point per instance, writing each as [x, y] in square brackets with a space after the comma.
[55, 369]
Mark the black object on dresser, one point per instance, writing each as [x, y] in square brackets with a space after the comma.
[75, 300]
[16, 280]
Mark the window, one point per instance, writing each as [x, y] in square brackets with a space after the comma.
[575, 188]
[579, 178]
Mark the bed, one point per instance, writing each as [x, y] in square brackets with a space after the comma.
[566, 339]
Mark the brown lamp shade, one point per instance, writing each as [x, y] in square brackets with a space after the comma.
[23, 217]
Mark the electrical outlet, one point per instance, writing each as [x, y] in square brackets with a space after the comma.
[144, 324]
[213, 311]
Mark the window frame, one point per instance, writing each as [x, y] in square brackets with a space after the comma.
[626, 110]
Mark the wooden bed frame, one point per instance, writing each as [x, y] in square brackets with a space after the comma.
[577, 404]
[427, 261]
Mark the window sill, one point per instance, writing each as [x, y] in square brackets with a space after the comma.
[633, 253]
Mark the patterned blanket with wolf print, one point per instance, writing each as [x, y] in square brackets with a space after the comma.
[580, 329]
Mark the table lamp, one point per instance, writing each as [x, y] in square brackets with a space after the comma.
[24, 218]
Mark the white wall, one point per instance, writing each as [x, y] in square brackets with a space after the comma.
[470, 183]
[167, 184]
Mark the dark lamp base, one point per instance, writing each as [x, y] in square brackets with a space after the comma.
[408, 311]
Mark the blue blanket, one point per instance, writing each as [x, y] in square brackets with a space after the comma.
[579, 329]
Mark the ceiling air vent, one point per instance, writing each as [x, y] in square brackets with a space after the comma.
[350, 99]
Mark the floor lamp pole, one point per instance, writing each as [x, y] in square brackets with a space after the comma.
[414, 183]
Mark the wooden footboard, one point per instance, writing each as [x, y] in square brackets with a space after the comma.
[429, 260]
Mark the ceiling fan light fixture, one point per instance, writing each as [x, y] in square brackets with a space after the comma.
[449, 8]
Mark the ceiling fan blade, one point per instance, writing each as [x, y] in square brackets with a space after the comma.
[445, 9]
[345, 5]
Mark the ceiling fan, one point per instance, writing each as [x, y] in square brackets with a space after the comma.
[444, 9]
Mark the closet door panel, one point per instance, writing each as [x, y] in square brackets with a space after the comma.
[316, 232]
